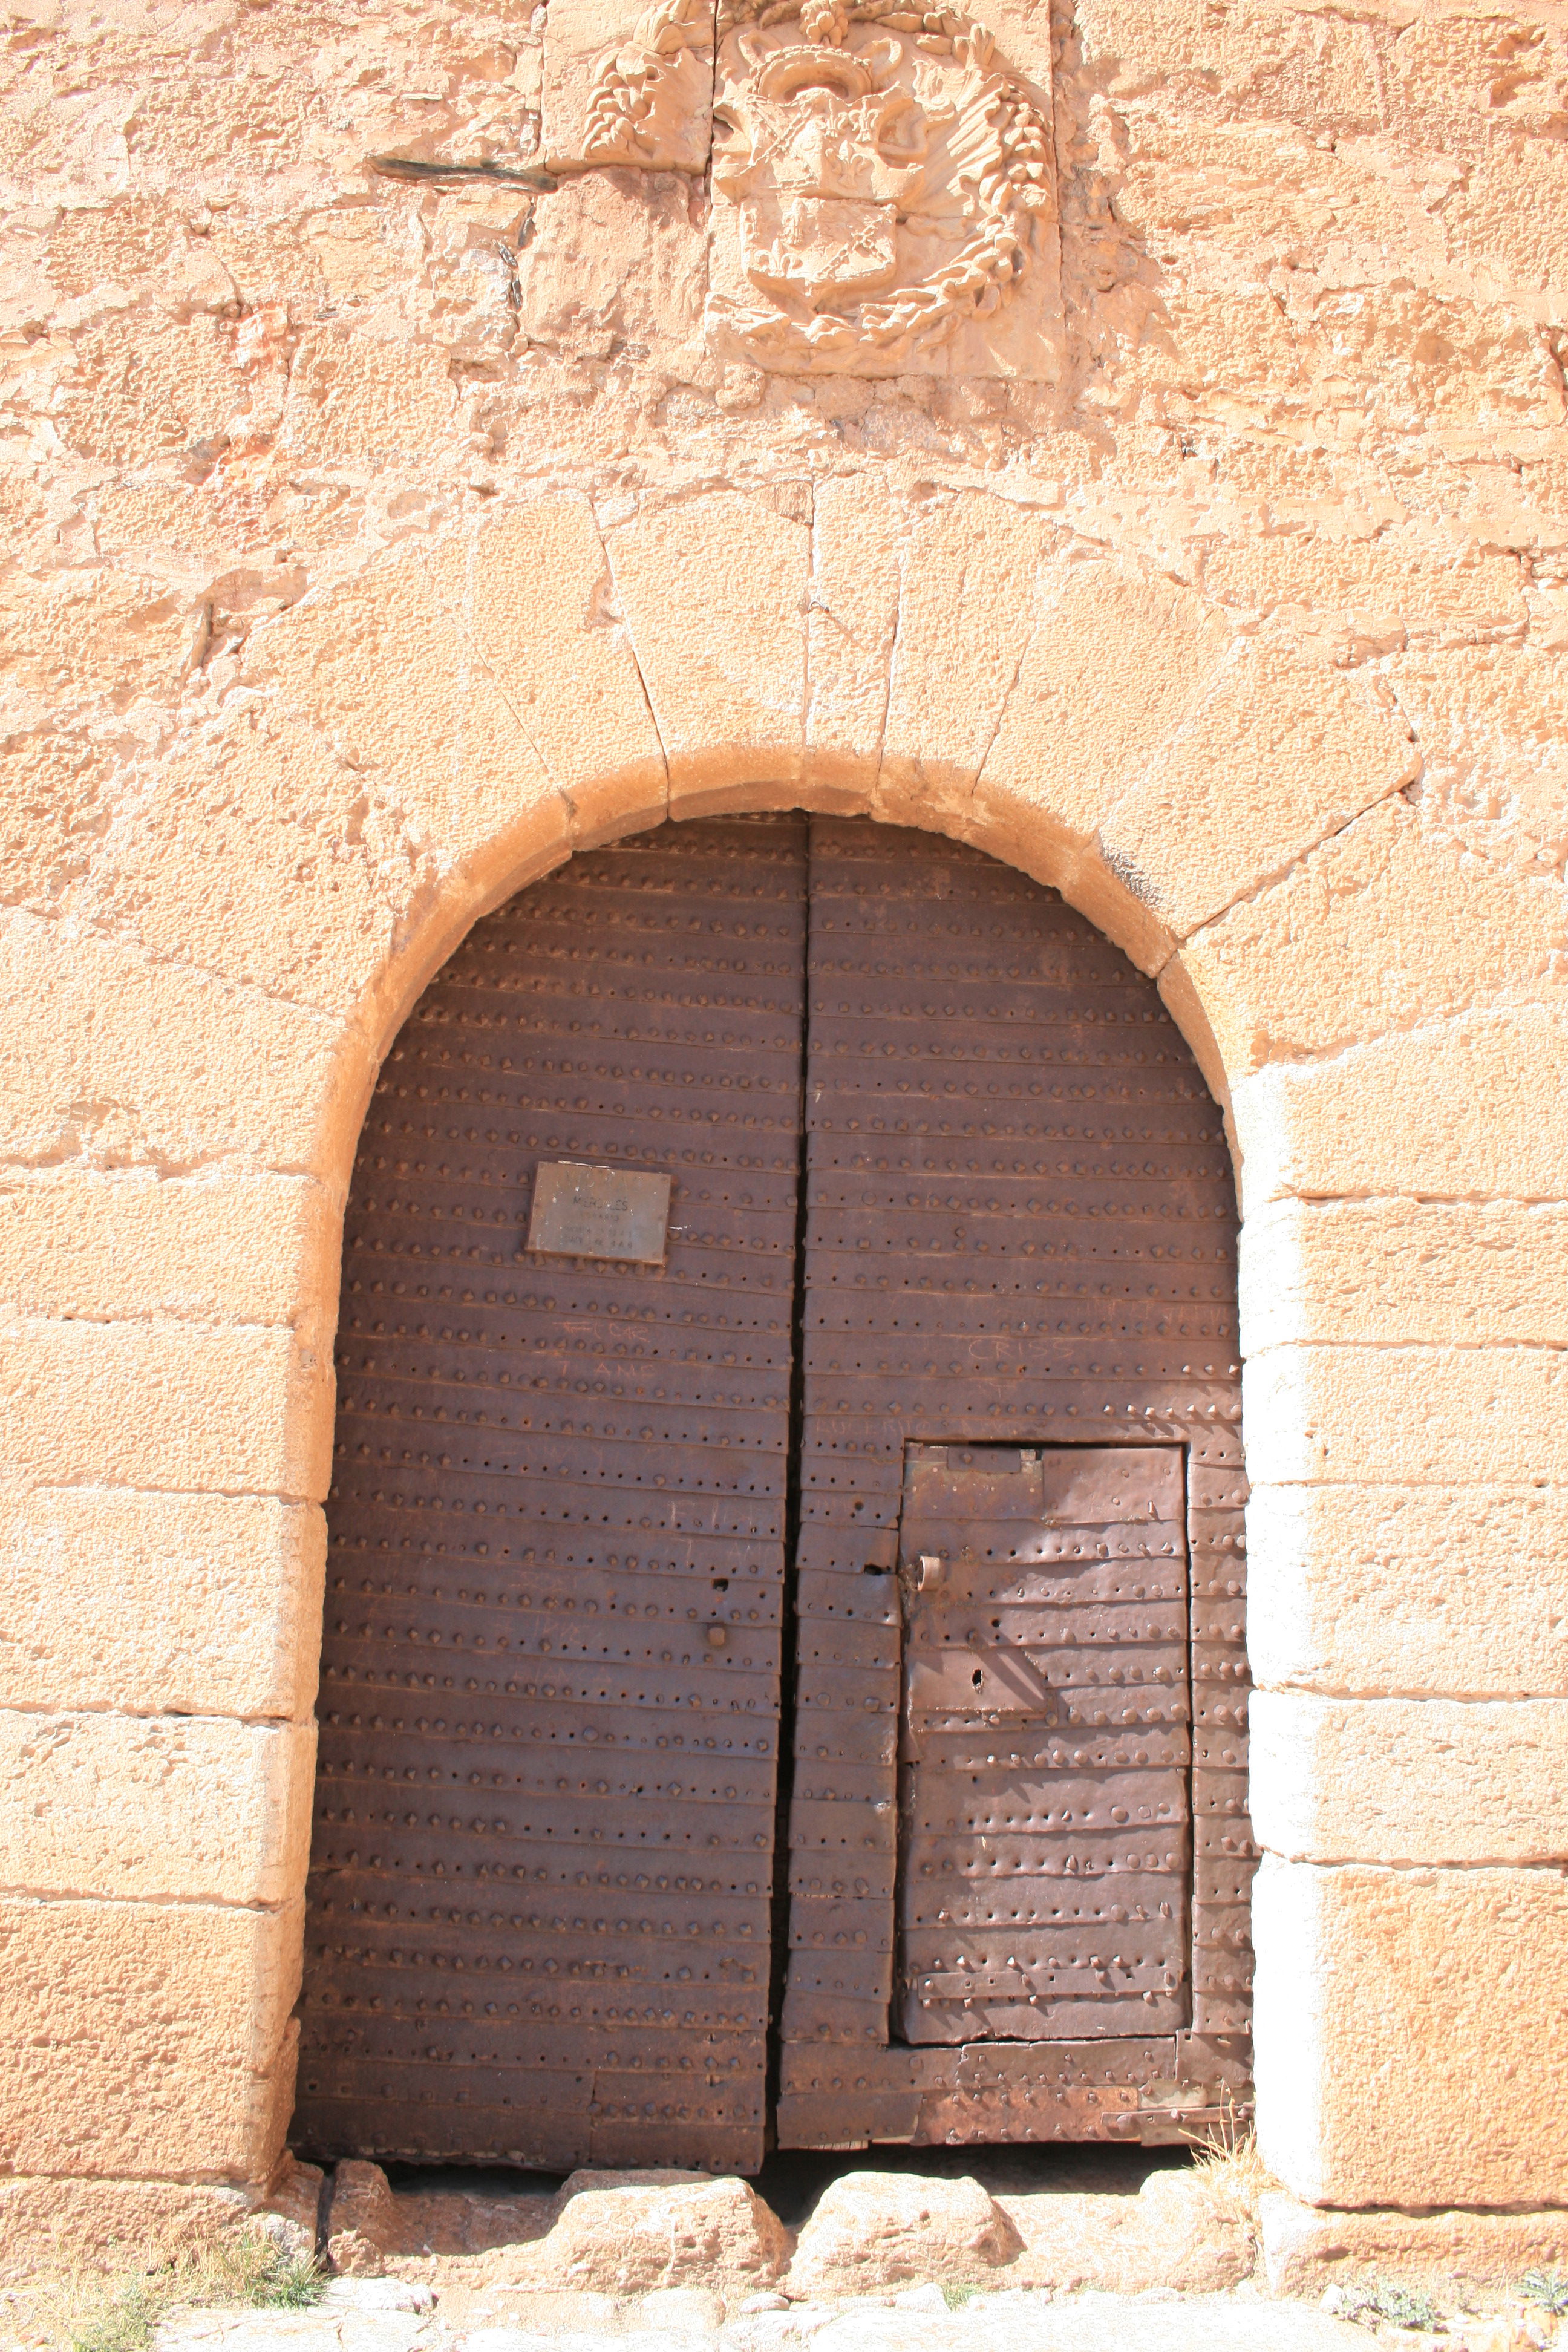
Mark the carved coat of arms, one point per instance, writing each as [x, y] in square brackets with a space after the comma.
[884, 195]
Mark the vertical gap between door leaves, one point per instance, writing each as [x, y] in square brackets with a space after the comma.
[788, 1620]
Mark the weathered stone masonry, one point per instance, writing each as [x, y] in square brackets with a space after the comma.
[374, 543]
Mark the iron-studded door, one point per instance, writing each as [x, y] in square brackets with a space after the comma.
[540, 1893]
[1020, 1234]
[1043, 1855]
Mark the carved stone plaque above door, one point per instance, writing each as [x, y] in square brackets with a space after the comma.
[884, 192]
[884, 197]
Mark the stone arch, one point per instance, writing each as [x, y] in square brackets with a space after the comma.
[189, 1063]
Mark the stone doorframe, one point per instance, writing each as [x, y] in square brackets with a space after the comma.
[183, 1090]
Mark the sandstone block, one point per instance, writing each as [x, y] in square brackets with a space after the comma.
[618, 258]
[1409, 1780]
[1394, 1588]
[1277, 756]
[200, 1604]
[154, 1807]
[1170, 2235]
[1412, 2033]
[112, 1059]
[535, 593]
[1469, 1105]
[359, 402]
[1112, 664]
[857, 556]
[264, 853]
[147, 2036]
[164, 1404]
[257, 1249]
[1307, 2250]
[672, 132]
[632, 2232]
[1502, 712]
[141, 387]
[361, 2221]
[965, 609]
[1180, 47]
[1391, 589]
[872, 2230]
[1386, 1271]
[1502, 228]
[52, 2225]
[1423, 1415]
[57, 790]
[76, 636]
[714, 589]
[291, 2208]
[1386, 925]
[470, 787]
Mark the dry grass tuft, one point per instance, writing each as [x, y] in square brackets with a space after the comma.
[1231, 2169]
[118, 2310]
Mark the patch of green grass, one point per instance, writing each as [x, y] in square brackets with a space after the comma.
[1400, 2306]
[955, 2296]
[245, 2268]
[1547, 2288]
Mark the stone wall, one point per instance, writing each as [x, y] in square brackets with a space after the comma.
[375, 539]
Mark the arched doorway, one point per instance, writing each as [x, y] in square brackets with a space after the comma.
[872, 1403]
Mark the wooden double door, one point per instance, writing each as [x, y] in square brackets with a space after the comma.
[784, 1676]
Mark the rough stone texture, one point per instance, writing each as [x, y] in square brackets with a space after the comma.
[373, 544]
[290, 2211]
[1460, 1591]
[163, 1404]
[191, 2002]
[714, 594]
[1378, 1119]
[1171, 2236]
[1306, 2251]
[51, 2227]
[1403, 1780]
[75, 1242]
[1389, 1271]
[1357, 1966]
[228, 1598]
[1426, 1415]
[155, 1806]
[872, 2230]
[631, 2232]
[361, 2221]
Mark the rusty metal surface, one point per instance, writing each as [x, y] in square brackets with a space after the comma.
[1045, 1595]
[1020, 1231]
[540, 1895]
[582, 1211]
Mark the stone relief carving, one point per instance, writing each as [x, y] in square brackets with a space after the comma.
[649, 98]
[883, 195]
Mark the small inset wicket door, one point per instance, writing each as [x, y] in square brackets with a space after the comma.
[1044, 1840]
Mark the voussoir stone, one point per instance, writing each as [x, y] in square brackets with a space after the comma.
[883, 2229]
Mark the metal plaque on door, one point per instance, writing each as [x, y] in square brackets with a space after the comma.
[612, 1212]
